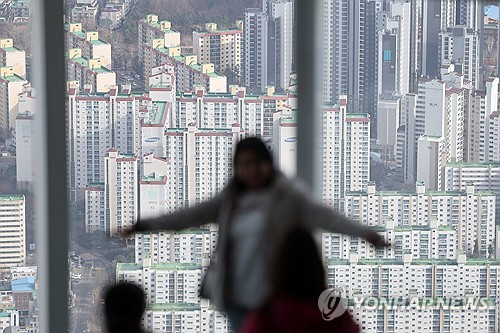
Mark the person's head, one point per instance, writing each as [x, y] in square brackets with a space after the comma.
[124, 306]
[253, 164]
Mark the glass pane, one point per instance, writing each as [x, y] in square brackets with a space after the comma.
[410, 149]
[158, 95]
[18, 270]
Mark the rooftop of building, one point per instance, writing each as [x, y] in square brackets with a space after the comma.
[12, 49]
[157, 112]
[11, 197]
[157, 25]
[427, 193]
[474, 165]
[25, 284]
[173, 307]
[194, 231]
[390, 96]
[12, 78]
[417, 261]
[492, 12]
[84, 62]
[218, 30]
[170, 266]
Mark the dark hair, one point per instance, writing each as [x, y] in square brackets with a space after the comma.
[124, 306]
[300, 268]
[257, 147]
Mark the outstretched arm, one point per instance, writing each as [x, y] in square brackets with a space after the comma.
[328, 219]
[200, 214]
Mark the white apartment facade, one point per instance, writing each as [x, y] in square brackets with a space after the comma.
[89, 42]
[12, 56]
[11, 86]
[195, 245]
[484, 176]
[459, 45]
[89, 72]
[96, 123]
[13, 230]
[25, 151]
[152, 28]
[94, 208]
[429, 285]
[431, 158]
[346, 153]
[268, 45]
[189, 72]
[120, 192]
[469, 211]
[185, 318]
[253, 113]
[483, 104]
[164, 282]
[200, 163]
[421, 241]
[221, 47]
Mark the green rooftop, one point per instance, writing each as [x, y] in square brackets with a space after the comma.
[13, 78]
[174, 307]
[169, 266]
[98, 42]
[473, 165]
[11, 197]
[357, 115]
[157, 112]
[195, 231]
[12, 49]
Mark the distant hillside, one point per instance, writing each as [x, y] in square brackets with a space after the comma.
[187, 15]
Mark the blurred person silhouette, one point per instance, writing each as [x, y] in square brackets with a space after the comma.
[300, 282]
[254, 213]
[124, 305]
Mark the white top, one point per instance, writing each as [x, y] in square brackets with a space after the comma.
[248, 259]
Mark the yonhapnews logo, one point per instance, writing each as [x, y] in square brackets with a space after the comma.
[331, 304]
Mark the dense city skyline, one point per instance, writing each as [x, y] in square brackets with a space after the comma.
[156, 100]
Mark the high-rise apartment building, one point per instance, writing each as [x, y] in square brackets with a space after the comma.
[465, 215]
[420, 295]
[253, 112]
[11, 86]
[394, 49]
[151, 28]
[89, 42]
[112, 206]
[431, 158]
[483, 104]
[203, 163]
[99, 122]
[436, 16]
[470, 13]
[221, 47]
[12, 56]
[268, 45]
[344, 27]
[188, 71]
[12, 231]
[346, 153]
[459, 45]
[87, 12]
[484, 176]
[438, 110]
[120, 191]
[26, 152]
[89, 73]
